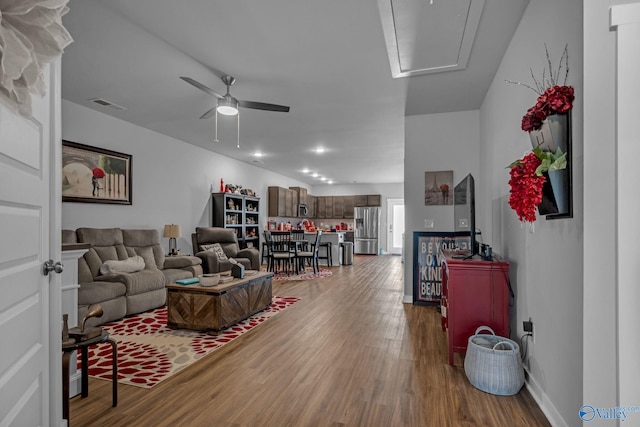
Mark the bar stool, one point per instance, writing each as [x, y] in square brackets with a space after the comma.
[328, 255]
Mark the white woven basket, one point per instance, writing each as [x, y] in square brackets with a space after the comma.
[493, 363]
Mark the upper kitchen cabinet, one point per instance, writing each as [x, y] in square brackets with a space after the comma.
[367, 200]
[374, 200]
[302, 196]
[311, 205]
[338, 207]
[348, 204]
[282, 202]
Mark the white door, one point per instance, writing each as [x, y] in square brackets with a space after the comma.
[30, 330]
[395, 219]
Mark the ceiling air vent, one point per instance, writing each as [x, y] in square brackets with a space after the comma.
[107, 104]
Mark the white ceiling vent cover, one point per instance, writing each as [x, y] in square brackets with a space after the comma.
[107, 104]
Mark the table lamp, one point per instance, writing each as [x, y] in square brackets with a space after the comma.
[172, 231]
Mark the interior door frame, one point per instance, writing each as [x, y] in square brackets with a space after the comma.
[389, 232]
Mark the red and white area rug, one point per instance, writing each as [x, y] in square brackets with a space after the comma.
[149, 351]
[307, 275]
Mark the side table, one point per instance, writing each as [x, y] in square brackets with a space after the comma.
[68, 349]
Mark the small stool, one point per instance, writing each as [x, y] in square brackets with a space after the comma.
[67, 349]
[328, 254]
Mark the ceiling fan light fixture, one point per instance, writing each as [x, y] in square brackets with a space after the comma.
[228, 107]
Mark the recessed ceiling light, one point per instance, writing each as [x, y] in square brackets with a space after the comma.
[329, 182]
[320, 150]
[305, 170]
[323, 178]
[315, 175]
[258, 154]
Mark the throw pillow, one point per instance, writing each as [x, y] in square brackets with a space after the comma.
[129, 265]
[146, 253]
[216, 249]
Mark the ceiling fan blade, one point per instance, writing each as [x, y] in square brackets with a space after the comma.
[202, 87]
[209, 113]
[263, 106]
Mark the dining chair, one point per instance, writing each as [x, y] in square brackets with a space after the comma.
[298, 238]
[281, 251]
[311, 255]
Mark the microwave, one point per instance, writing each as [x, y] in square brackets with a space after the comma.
[302, 211]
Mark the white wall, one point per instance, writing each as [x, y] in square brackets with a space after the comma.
[437, 142]
[546, 265]
[172, 180]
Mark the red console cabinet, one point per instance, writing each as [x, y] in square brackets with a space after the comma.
[474, 293]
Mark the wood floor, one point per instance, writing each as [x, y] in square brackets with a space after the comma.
[350, 353]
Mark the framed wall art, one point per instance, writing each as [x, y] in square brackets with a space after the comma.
[438, 188]
[95, 175]
[427, 264]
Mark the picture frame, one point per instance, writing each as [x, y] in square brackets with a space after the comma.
[95, 175]
[438, 188]
[427, 264]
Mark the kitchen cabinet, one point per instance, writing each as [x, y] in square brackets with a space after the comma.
[311, 205]
[289, 202]
[474, 293]
[282, 202]
[321, 207]
[338, 207]
[240, 213]
[360, 200]
[370, 200]
[302, 196]
[374, 200]
[328, 206]
[348, 202]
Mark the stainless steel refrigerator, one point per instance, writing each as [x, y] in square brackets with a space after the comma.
[366, 230]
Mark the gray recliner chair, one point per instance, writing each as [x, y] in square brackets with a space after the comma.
[211, 263]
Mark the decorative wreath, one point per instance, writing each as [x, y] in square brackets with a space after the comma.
[31, 36]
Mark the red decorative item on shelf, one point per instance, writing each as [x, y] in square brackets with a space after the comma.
[221, 185]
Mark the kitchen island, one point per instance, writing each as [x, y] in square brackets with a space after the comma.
[335, 238]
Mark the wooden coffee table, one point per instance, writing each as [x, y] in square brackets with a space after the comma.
[215, 308]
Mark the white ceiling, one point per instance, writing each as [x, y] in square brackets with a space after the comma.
[327, 60]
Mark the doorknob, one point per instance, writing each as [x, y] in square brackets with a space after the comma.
[50, 266]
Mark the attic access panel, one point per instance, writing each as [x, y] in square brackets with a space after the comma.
[429, 36]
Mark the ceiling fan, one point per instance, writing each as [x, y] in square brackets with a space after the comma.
[227, 104]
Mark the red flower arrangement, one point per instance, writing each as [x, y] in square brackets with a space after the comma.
[554, 100]
[527, 177]
[526, 187]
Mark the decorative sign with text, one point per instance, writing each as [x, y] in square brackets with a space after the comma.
[427, 272]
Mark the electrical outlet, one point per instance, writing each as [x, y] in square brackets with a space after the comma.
[527, 326]
[428, 223]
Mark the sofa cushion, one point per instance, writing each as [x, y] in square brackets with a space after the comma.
[145, 243]
[216, 248]
[173, 274]
[146, 252]
[129, 265]
[97, 292]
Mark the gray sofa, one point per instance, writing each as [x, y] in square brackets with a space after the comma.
[121, 294]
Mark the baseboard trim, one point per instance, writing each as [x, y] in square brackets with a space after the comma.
[543, 401]
[407, 299]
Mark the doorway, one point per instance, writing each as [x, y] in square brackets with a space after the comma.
[395, 215]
